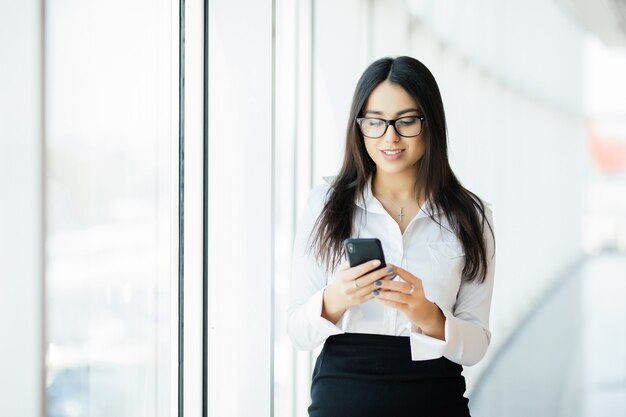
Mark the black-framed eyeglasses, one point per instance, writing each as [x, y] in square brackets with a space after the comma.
[374, 128]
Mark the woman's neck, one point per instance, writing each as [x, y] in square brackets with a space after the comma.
[399, 187]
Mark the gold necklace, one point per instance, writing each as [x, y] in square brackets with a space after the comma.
[401, 214]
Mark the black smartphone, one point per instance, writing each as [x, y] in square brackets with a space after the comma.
[363, 250]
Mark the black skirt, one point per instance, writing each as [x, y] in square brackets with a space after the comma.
[365, 375]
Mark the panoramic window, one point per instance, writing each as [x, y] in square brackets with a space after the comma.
[110, 207]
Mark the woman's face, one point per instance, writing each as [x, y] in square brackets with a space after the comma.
[391, 101]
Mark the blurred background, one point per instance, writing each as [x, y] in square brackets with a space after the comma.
[155, 156]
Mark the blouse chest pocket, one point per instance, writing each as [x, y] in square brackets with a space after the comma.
[446, 251]
[447, 261]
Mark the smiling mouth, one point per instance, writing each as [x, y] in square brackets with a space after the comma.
[394, 152]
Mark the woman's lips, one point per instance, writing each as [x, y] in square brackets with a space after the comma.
[392, 154]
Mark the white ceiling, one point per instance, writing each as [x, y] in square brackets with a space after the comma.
[605, 18]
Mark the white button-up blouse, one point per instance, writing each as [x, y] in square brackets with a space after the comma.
[428, 251]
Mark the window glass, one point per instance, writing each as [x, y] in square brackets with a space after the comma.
[111, 202]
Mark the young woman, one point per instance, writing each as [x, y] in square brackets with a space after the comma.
[395, 338]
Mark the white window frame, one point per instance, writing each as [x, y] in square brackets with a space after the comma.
[22, 350]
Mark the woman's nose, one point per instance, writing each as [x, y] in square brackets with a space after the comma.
[391, 135]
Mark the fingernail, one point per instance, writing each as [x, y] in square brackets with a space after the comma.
[378, 283]
[376, 262]
[392, 276]
[389, 269]
[375, 292]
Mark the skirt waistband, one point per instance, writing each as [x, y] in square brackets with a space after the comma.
[370, 339]
[391, 353]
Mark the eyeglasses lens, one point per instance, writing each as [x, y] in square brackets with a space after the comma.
[405, 126]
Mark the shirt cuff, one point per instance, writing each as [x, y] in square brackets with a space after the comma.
[424, 347]
[319, 323]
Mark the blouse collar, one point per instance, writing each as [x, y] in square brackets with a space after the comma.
[371, 204]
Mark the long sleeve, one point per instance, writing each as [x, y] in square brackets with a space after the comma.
[305, 325]
[467, 334]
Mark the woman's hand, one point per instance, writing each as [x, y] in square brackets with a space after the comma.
[352, 286]
[409, 298]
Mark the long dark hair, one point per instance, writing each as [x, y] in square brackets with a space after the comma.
[435, 178]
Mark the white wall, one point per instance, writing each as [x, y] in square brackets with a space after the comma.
[515, 119]
[21, 209]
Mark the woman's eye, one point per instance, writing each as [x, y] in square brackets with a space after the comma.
[408, 121]
[374, 122]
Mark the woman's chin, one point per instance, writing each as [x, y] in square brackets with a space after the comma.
[394, 168]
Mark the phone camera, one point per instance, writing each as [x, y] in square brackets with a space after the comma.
[350, 248]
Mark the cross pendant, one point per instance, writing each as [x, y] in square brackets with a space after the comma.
[401, 215]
